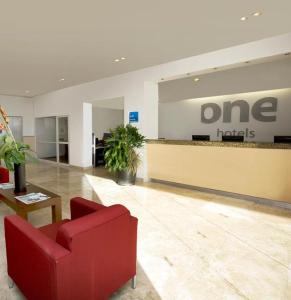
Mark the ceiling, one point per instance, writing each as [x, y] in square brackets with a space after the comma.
[42, 42]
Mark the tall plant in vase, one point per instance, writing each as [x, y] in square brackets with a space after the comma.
[121, 154]
[15, 154]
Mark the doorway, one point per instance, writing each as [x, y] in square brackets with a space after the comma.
[106, 115]
[52, 138]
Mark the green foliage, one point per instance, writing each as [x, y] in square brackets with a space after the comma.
[14, 152]
[120, 151]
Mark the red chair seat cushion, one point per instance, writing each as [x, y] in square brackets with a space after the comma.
[51, 230]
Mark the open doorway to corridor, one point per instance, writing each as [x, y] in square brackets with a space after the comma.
[106, 115]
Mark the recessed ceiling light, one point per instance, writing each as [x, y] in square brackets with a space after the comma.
[256, 14]
[117, 60]
[27, 92]
[123, 58]
[196, 79]
[62, 79]
[243, 18]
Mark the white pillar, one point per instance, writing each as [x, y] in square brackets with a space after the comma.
[87, 135]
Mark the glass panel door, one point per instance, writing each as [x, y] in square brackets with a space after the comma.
[63, 129]
[63, 140]
[53, 139]
[46, 138]
[16, 125]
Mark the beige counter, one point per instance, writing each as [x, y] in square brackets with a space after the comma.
[263, 172]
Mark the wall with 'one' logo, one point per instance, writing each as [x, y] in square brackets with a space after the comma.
[258, 116]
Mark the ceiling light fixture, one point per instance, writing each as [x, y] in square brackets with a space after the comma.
[243, 18]
[196, 79]
[62, 79]
[119, 59]
[256, 14]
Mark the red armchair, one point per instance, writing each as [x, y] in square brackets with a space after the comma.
[88, 257]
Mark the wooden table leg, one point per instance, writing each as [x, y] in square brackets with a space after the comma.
[57, 212]
[22, 214]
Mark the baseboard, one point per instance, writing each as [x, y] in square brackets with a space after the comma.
[262, 201]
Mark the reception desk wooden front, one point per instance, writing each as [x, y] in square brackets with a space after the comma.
[255, 169]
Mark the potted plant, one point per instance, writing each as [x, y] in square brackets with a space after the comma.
[120, 153]
[13, 153]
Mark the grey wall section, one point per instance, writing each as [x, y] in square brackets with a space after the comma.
[251, 78]
[179, 120]
[22, 107]
[104, 118]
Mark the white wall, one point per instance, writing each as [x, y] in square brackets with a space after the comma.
[179, 120]
[104, 119]
[140, 91]
[20, 106]
[250, 78]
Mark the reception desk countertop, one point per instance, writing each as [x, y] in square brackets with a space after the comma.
[221, 144]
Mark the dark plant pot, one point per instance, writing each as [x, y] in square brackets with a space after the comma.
[19, 178]
[125, 177]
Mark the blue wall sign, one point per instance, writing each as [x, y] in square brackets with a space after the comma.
[133, 117]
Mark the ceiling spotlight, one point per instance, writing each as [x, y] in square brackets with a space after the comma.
[196, 79]
[256, 14]
[62, 79]
[123, 58]
[243, 18]
[117, 60]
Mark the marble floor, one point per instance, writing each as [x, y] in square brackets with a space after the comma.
[191, 245]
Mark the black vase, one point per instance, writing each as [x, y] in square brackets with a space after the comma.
[19, 178]
[125, 177]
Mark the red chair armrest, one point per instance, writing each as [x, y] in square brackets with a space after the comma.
[16, 227]
[35, 262]
[68, 231]
[81, 207]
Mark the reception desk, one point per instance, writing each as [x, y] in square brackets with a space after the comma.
[255, 169]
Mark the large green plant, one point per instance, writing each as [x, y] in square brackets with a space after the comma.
[13, 152]
[120, 152]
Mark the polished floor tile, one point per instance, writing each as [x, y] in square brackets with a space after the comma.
[191, 244]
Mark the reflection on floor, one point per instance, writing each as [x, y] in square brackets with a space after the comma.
[191, 245]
